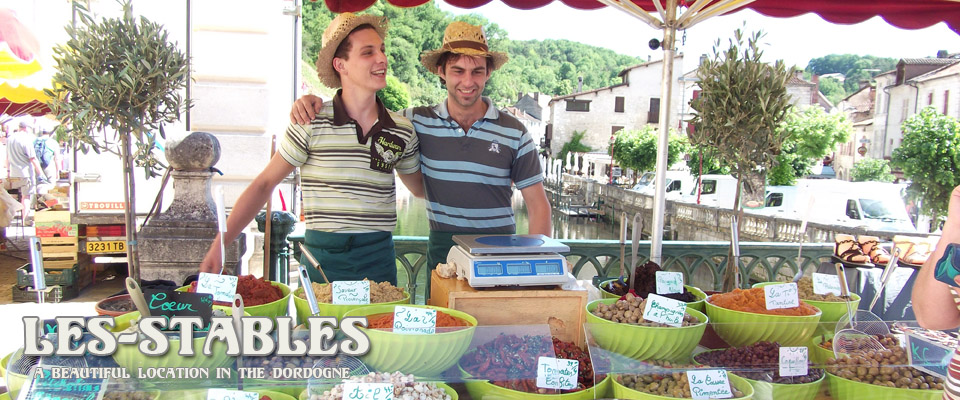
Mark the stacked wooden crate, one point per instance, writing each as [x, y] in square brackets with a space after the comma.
[59, 246]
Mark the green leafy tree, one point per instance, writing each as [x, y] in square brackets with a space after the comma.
[742, 102]
[575, 145]
[810, 135]
[705, 159]
[871, 169]
[637, 148]
[930, 158]
[122, 78]
[853, 67]
[395, 96]
[832, 89]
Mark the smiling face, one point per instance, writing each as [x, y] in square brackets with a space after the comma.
[465, 77]
[364, 64]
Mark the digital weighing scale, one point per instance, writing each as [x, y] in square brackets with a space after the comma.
[509, 260]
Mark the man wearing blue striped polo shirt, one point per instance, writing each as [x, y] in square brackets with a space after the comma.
[470, 153]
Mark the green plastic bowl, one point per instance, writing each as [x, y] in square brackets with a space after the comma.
[740, 328]
[446, 388]
[130, 357]
[845, 389]
[645, 342]
[831, 311]
[623, 392]
[335, 310]
[776, 391]
[484, 390]
[420, 355]
[13, 381]
[273, 309]
[696, 305]
[818, 354]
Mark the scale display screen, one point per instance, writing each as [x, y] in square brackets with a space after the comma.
[518, 268]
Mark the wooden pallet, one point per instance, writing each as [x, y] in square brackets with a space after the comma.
[59, 252]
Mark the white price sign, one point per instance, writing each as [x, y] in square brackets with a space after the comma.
[783, 295]
[557, 373]
[669, 282]
[225, 394]
[826, 284]
[367, 391]
[414, 320]
[664, 310]
[222, 287]
[709, 384]
[793, 361]
[351, 292]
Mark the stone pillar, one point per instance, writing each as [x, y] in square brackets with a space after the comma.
[173, 243]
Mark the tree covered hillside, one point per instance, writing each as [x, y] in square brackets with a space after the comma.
[549, 66]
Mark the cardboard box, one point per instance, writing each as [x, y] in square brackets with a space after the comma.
[50, 223]
[563, 310]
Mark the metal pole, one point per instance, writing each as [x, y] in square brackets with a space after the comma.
[268, 272]
[666, 91]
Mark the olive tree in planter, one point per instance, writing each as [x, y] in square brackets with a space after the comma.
[118, 81]
[742, 102]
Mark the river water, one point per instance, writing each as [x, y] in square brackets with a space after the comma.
[412, 220]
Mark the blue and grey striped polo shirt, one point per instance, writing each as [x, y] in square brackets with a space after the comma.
[468, 176]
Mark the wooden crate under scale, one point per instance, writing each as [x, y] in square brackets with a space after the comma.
[563, 310]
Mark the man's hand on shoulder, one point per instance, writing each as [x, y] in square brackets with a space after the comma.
[305, 109]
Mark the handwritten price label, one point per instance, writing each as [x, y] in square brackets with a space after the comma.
[222, 287]
[367, 391]
[44, 386]
[793, 361]
[783, 295]
[709, 384]
[669, 282]
[351, 292]
[224, 394]
[826, 284]
[928, 356]
[664, 310]
[414, 320]
[556, 373]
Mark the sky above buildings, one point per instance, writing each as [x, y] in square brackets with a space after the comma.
[795, 40]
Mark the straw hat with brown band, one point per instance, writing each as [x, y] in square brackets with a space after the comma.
[462, 38]
[339, 29]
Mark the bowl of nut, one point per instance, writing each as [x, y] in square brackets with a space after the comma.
[759, 364]
[667, 385]
[688, 291]
[619, 326]
[832, 307]
[741, 318]
[381, 293]
[880, 374]
[404, 387]
[492, 376]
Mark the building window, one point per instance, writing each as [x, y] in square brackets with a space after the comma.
[578, 105]
[946, 101]
[615, 129]
[618, 104]
[903, 111]
[929, 101]
[653, 116]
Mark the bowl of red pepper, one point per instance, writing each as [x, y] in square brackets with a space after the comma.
[506, 368]
[423, 355]
[261, 298]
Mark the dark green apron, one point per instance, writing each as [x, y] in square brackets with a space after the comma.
[351, 256]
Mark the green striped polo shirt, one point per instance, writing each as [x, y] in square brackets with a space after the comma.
[348, 181]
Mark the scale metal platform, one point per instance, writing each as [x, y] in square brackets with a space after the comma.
[509, 260]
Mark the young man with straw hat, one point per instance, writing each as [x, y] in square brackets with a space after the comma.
[346, 155]
[471, 154]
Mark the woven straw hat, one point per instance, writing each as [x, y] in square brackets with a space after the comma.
[463, 38]
[339, 29]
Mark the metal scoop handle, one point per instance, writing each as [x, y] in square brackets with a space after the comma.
[885, 276]
[137, 296]
[308, 290]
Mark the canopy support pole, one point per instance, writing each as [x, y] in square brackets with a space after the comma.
[663, 133]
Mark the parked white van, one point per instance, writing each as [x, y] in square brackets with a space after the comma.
[715, 191]
[678, 183]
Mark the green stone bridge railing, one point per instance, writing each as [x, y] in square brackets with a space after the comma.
[702, 263]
